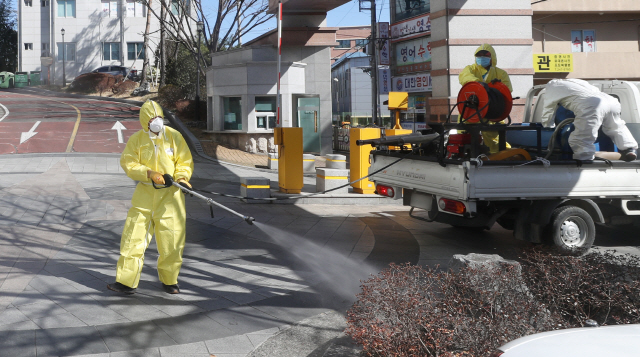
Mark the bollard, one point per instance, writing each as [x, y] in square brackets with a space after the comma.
[327, 179]
[255, 187]
[359, 162]
[336, 161]
[273, 161]
[290, 174]
[309, 163]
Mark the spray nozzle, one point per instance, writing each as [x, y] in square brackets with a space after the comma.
[249, 219]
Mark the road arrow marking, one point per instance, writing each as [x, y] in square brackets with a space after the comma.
[119, 127]
[28, 135]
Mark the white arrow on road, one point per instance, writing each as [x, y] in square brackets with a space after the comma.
[28, 135]
[119, 127]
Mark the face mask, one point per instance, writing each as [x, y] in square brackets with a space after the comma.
[483, 61]
[156, 125]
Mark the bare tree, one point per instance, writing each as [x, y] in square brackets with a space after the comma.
[230, 21]
[145, 60]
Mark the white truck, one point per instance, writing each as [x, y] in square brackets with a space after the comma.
[556, 200]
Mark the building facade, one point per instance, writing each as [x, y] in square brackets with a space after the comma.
[96, 33]
[410, 33]
[351, 90]
[351, 39]
[602, 37]
[242, 83]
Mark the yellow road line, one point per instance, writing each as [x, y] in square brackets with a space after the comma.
[75, 128]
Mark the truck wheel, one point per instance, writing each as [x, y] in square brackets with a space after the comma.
[571, 230]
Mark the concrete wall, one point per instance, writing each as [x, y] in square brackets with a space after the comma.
[617, 44]
[584, 6]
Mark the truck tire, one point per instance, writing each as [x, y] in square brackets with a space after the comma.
[571, 229]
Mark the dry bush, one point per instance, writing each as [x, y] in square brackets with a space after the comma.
[602, 286]
[124, 86]
[187, 110]
[414, 311]
[169, 95]
[93, 82]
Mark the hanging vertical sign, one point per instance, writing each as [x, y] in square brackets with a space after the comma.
[384, 57]
[384, 74]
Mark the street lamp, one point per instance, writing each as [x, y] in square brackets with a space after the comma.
[200, 29]
[64, 59]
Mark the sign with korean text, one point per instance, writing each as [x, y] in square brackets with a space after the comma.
[412, 28]
[384, 81]
[384, 55]
[412, 83]
[413, 55]
[553, 63]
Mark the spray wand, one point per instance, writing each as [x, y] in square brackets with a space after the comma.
[168, 179]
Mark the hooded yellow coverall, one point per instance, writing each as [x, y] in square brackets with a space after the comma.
[475, 73]
[154, 211]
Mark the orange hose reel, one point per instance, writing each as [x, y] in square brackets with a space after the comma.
[489, 101]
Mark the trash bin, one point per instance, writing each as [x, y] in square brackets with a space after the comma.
[21, 79]
[6, 80]
[34, 77]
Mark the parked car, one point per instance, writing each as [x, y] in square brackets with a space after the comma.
[618, 341]
[117, 70]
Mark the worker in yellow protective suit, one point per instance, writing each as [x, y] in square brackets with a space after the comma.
[484, 70]
[150, 153]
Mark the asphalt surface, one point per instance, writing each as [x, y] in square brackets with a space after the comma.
[277, 288]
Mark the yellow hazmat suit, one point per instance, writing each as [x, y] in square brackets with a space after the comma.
[477, 73]
[154, 211]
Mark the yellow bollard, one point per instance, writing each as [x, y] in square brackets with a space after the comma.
[289, 141]
[359, 158]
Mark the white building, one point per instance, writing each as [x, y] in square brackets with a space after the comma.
[96, 33]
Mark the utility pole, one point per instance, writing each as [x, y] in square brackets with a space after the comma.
[374, 60]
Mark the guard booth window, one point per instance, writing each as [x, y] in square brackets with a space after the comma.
[232, 113]
[266, 112]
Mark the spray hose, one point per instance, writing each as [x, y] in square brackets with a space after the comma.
[292, 197]
[170, 182]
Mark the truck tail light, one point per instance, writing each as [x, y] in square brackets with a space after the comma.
[386, 191]
[452, 206]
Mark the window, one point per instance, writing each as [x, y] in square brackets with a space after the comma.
[583, 41]
[111, 51]
[109, 8]
[28, 46]
[362, 42]
[45, 46]
[266, 109]
[178, 5]
[135, 50]
[410, 8]
[44, 3]
[66, 8]
[70, 53]
[135, 8]
[232, 113]
[28, 3]
[344, 43]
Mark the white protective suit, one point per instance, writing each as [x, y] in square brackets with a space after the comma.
[593, 109]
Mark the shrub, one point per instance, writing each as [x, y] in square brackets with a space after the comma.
[169, 95]
[603, 286]
[124, 86]
[93, 82]
[187, 110]
[414, 311]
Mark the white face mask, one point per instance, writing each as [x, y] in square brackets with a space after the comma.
[156, 125]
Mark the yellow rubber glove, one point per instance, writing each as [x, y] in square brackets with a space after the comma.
[184, 182]
[155, 177]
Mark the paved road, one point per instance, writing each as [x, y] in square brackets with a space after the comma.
[35, 123]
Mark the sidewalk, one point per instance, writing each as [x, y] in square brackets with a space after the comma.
[62, 216]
